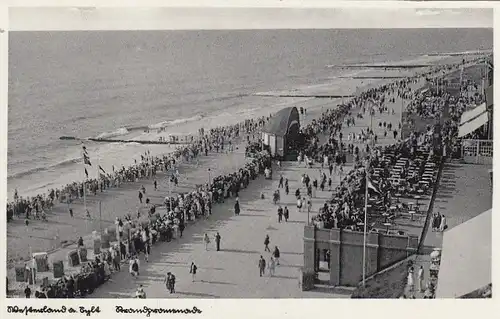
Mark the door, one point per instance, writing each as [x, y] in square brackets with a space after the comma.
[272, 144]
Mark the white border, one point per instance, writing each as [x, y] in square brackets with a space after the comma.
[297, 308]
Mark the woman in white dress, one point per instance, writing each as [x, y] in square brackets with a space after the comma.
[442, 226]
[206, 240]
[410, 279]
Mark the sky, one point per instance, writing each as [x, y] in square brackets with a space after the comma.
[141, 18]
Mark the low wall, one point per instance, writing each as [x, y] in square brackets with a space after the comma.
[346, 252]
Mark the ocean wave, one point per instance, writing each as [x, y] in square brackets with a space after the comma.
[38, 169]
[118, 132]
[176, 122]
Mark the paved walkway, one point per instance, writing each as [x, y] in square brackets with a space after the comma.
[233, 271]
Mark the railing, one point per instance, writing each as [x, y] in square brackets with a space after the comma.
[477, 151]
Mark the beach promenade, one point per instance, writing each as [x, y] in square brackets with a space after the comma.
[230, 272]
[233, 272]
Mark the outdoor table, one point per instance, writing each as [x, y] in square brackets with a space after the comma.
[393, 207]
[387, 225]
[411, 204]
[411, 212]
[420, 191]
[385, 215]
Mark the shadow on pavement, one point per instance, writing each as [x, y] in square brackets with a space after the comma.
[196, 294]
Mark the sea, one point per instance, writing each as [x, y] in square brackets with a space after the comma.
[113, 83]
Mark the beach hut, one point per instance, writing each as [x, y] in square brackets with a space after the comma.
[281, 131]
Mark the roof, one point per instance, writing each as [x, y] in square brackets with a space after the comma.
[281, 121]
[466, 258]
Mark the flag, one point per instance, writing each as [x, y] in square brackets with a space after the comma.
[86, 173]
[101, 169]
[372, 187]
[86, 160]
[489, 72]
[102, 176]
[489, 64]
[113, 167]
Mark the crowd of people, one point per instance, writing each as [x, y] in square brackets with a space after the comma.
[220, 139]
[417, 153]
[138, 234]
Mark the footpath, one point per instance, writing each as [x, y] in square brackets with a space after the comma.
[230, 272]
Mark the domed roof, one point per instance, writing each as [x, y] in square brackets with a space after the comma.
[281, 122]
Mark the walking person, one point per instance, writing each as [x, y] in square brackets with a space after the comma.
[206, 240]
[237, 207]
[266, 244]
[280, 214]
[155, 185]
[262, 266]
[410, 283]
[276, 255]
[443, 226]
[140, 197]
[134, 266]
[192, 271]
[140, 293]
[281, 182]
[147, 250]
[167, 281]
[286, 214]
[217, 241]
[272, 266]
[420, 277]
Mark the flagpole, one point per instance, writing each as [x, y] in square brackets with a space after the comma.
[365, 222]
[366, 203]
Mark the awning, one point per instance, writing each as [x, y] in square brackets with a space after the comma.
[466, 258]
[489, 96]
[469, 115]
[473, 125]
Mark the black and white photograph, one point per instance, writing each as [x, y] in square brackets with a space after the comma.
[174, 153]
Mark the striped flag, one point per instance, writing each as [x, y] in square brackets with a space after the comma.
[489, 64]
[102, 169]
[86, 173]
[372, 187]
[86, 158]
[489, 72]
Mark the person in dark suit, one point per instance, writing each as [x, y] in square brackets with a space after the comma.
[217, 241]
